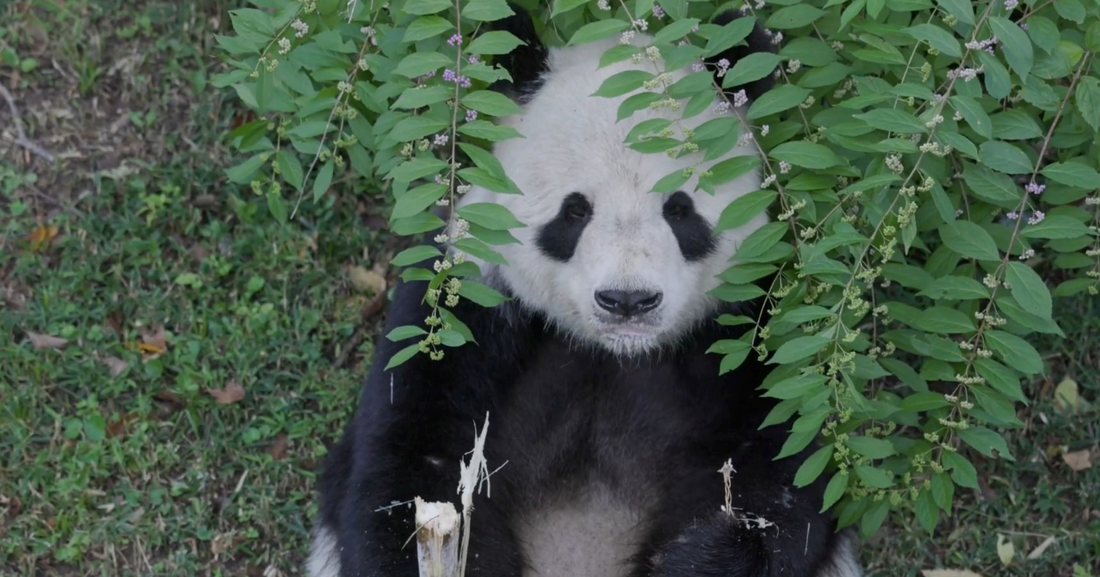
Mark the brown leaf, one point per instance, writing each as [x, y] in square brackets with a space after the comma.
[232, 393]
[41, 237]
[121, 425]
[154, 342]
[168, 397]
[1038, 551]
[115, 365]
[278, 447]
[367, 280]
[46, 342]
[1078, 460]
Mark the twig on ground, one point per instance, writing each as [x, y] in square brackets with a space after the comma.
[21, 136]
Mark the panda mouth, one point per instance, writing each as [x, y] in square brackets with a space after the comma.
[629, 329]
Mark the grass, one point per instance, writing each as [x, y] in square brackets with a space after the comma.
[129, 450]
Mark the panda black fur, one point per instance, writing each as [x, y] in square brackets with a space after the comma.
[612, 418]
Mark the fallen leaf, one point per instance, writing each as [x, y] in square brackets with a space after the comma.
[168, 397]
[45, 342]
[1005, 550]
[948, 573]
[154, 342]
[278, 447]
[1038, 551]
[121, 425]
[115, 365]
[232, 393]
[366, 280]
[1066, 397]
[1078, 460]
[41, 236]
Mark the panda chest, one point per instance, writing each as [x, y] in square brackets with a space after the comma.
[585, 443]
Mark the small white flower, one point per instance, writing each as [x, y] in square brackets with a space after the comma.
[284, 45]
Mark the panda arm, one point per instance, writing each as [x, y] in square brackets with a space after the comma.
[413, 425]
[776, 529]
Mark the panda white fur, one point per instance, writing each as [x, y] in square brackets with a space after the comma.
[612, 419]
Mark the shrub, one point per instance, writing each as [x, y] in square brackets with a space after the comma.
[921, 158]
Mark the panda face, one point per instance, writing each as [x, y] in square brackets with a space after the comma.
[606, 260]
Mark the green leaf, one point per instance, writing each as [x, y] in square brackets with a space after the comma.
[1072, 174]
[420, 7]
[490, 215]
[752, 67]
[1015, 44]
[962, 471]
[986, 441]
[488, 131]
[795, 443]
[813, 466]
[417, 167]
[1003, 379]
[892, 120]
[937, 38]
[974, 115]
[491, 103]
[400, 357]
[622, 83]
[1005, 158]
[481, 250]
[415, 255]
[480, 294]
[796, 387]
[798, 348]
[1029, 289]
[598, 30]
[1056, 226]
[1043, 33]
[742, 210]
[873, 477]
[795, 16]
[417, 127]
[675, 31]
[426, 27]
[486, 10]
[736, 293]
[870, 447]
[421, 63]
[405, 332]
[494, 42]
[290, 168]
[730, 169]
[746, 273]
[323, 180]
[805, 154]
[416, 200]
[1017, 352]
[671, 182]
[761, 240]
[417, 224]
[729, 35]
[1015, 125]
[276, 206]
[1070, 10]
[990, 185]
[778, 99]
[563, 6]
[955, 288]
[961, 9]
[1087, 98]
[923, 401]
[243, 172]
[834, 490]
[969, 240]
[413, 98]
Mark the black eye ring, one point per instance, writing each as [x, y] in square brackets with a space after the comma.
[678, 207]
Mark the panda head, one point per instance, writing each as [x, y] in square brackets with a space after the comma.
[604, 259]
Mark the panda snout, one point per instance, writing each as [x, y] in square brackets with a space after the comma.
[628, 303]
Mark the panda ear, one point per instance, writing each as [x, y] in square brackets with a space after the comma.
[759, 40]
[528, 61]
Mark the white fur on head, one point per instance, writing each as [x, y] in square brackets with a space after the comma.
[574, 144]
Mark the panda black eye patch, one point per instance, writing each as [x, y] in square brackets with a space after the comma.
[691, 230]
[558, 238]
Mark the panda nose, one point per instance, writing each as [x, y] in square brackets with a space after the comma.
[628, 303]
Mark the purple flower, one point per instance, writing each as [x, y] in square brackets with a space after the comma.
[1035, 188]
[658, 11]
[463, 81]
[471, 115]
[1013, 215]
[455, 40]
[1011, 4]
[1037, 217]
[698, 67]
[473, 59]
[449, 75]
[441, 139]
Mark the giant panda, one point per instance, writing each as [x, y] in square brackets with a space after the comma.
[609, 416]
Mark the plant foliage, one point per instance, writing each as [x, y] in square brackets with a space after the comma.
[921, 159]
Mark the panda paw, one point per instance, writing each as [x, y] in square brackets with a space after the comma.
[722, 545]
